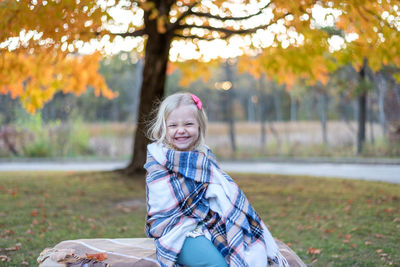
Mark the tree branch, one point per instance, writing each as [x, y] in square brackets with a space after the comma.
[136, 33]
[194, 37]
[173, 27]
[228, 32]
[208, 15]
[378, 18]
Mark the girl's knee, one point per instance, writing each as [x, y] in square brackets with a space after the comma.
[200, 252]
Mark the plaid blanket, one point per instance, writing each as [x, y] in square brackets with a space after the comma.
[188, 188]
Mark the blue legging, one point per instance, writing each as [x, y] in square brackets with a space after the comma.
[200, 252]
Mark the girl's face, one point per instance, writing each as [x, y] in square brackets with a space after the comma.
[182, 128]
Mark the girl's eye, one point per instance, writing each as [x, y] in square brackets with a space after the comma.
[171, 125]
[189, 123]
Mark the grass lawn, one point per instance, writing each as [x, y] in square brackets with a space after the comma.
[328, 222]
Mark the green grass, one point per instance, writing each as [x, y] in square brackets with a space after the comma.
[354, 223]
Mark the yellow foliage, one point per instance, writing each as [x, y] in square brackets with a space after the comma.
[154, 14]
[35, 79]
[396, 76]
[161, 24]
[193, 70]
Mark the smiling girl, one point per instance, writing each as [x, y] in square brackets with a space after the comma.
[196, 213]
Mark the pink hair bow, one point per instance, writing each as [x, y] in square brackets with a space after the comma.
[197, 101]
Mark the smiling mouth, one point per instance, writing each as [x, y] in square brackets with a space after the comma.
[182, 138]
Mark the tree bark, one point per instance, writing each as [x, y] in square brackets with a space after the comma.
[262, 110]
[371, 117]
[381, 84]
[323, 116]
[152, 90]
[277, 104]
[362, 110]
[293, 107]
[229, 105]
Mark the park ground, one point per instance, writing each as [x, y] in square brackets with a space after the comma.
[328, 222]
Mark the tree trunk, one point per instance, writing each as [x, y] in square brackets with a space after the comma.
[397, 92]
[152, 90]
[323, 118]
[262, 111]
[362, 110]
[293, 107]
[371, 120]
[251, 107]
[381, 102]
[277, 104]
[135, 94]
[229, 105]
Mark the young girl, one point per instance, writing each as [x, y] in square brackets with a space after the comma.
[195, 211]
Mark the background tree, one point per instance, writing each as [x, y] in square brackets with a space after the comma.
[375, 25]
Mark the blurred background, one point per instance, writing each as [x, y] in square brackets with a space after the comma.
[250, 117]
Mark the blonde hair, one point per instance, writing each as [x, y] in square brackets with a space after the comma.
[158, 127]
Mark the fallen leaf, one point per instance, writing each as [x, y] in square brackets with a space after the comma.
[122, 229]
[8, 232]
[4, 258]
[379, 250]
[314, 251]
[378, 235]
[13, 192]
[367, 243]
[347, 238]
[15, 248]
[29, 232]
[34, 213]
[24, 263]
[97, 256]
[388, 210]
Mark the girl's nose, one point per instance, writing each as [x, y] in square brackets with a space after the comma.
[181, 129]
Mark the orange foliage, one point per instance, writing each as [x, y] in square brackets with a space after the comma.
[34, 79]
[39, 64]
[97, 256]
[193, 70]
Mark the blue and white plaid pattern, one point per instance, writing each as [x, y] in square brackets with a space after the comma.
[185, 188]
